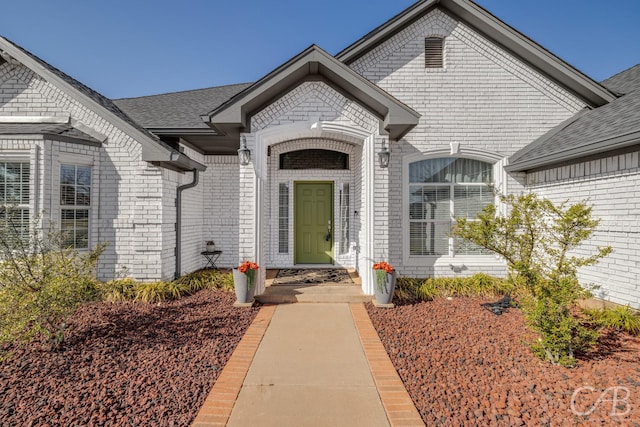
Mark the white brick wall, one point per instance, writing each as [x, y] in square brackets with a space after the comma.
[129, 191]
[612, 187]
[484, 99]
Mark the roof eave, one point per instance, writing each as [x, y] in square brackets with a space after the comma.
[175, 161]
[596, 148]
[313, 63]
[152, 149]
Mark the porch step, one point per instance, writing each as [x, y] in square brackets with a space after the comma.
[325, 293]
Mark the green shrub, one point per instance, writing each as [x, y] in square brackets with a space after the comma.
[205, 279]
[158, 291]
[622, 318]
[427, 289]
[118, 290]
[561, 333]
[128, 289]
[42, 282]
[538, 240]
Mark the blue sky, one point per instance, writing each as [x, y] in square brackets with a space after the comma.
[126, 48]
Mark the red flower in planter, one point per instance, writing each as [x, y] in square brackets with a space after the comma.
[388, 268]
[246, 265]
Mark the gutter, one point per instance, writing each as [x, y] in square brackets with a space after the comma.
[178, 250]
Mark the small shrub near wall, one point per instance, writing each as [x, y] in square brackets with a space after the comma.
[127, 289]
[539, 240]
[42, 282]
[480, 284]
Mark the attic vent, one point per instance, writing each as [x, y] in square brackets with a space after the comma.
[433, 47]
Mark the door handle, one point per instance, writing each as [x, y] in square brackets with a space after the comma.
[328, 238]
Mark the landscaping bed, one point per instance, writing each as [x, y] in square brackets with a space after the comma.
[126, 364]
[463, 365]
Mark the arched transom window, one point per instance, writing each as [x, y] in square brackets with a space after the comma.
[439, 190]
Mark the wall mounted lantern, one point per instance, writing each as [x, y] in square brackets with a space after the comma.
[384, 155]
[244, 154]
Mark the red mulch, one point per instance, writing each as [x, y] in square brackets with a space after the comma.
[465, 366]
[125, 364]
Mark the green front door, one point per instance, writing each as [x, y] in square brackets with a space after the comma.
[313, 223]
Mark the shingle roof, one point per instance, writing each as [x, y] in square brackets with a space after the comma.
[178, 110]
[65, 130]
[613, 126]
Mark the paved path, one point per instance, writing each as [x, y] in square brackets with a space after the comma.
[309, 365]
[310, 370]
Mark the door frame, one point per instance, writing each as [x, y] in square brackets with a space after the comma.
[295, 218]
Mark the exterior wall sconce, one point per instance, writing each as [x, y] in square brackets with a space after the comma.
[384, 155]
[244, 154]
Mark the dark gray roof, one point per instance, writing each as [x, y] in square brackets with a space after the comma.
[178, 110]
[65, 130]
[613, 126]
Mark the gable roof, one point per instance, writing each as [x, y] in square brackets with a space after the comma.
[153, 150]
[615, 126]
[313, 64]
[500, 33]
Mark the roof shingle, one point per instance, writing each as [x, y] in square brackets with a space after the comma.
[610, 127]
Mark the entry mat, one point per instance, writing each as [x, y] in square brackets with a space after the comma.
[334, 276]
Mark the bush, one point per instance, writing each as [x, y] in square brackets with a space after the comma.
[42, 282]
[118, 290]
[206, 279]
[427, 289]
[622, 318]
[538, 240]
[158, 291]
[128, 289]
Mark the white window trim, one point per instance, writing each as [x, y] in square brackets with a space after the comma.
[24, 156]
[82, 161]
[499, 181]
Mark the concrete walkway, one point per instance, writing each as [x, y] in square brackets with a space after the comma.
[309, 365]
[310, 370]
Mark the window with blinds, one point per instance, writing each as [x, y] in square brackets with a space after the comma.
[440, 190]
[14, 197]
[433, 52]
[75, 202]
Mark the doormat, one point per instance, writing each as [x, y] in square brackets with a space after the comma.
[318, 276]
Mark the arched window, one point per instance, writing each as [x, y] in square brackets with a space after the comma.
[439, 190]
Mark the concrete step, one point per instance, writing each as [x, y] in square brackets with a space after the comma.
[325, 293]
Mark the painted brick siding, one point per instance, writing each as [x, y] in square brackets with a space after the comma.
[221, 204]
[130, 190]
[483, 98]
[612, 187]
[313, 101]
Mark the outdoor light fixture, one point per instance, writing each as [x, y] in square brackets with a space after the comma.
[383, 156]
[244, 154]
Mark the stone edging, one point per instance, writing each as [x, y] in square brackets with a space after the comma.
[217, 407]
[396, 401]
